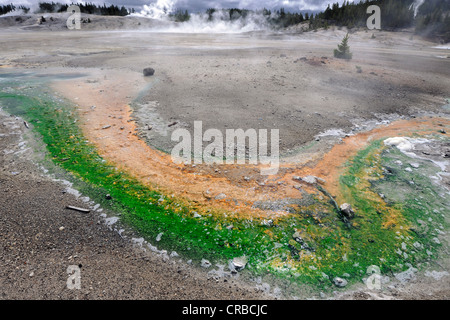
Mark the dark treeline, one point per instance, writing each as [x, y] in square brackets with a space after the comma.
[180, 16]
[4, 9]
[279, 18]
[433, 16]
[89, 8]
[394, 14]
[231, 14]
[433, 19]
[285, 19]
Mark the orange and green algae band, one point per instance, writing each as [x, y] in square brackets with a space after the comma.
[327, 248]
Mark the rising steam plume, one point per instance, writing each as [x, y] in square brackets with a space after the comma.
[416, 6]
[219, 22]
[158, 10]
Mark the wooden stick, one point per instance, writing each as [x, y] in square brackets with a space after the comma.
[78, 209]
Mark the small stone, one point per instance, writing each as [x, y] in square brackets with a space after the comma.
[347, 211]
[205, 263]
[309, 179]
[406, 276]
[418, 245]
[436, 240]
[221, 196]
[148, 72]
[339, 282]
[239, 263]
[267, 223]
[297, 237]
[207, 194]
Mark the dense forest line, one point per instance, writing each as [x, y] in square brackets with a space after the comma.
[89, 8]
[432, 19]
[4, 9]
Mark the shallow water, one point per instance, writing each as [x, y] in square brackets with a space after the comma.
[27, 75]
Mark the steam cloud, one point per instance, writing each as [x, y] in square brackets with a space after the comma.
[220, 21]
[416, 6]
[158, 10]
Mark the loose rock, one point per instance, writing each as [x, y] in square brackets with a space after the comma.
[148, 72]
[205, 263]
[309, 179]
[347, 211]
[239, 263]
[207, 195]
[339, 282]
[221, 196]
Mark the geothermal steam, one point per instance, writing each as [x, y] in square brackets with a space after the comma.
[158, 10]
[219, 22]
[416, 6]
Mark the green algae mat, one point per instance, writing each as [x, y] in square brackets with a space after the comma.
[399, 213]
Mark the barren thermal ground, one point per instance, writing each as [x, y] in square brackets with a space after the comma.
[357, 208]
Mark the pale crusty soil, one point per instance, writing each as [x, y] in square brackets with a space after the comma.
[227, 81]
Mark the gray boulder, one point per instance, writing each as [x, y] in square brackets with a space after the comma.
[148, 72]
[339, 282]
[347, 211]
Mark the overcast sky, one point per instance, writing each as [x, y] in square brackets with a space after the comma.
[201, 5]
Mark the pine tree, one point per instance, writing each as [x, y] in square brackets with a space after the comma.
[343, 50]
